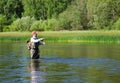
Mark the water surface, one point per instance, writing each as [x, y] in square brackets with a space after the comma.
[60, 63]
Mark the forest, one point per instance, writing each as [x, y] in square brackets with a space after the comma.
[56, 15]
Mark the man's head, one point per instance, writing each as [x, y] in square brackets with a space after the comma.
[34, 33]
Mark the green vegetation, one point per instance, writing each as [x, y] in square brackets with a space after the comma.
[55, 15]
[66, 36]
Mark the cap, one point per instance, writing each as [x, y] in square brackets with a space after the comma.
[34, 33]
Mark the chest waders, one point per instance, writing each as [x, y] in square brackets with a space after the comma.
[34, 51]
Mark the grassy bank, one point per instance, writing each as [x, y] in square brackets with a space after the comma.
[65, 36]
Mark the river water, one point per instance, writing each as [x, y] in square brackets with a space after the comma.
[60, 63]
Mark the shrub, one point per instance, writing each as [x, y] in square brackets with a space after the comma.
[51, 24]
[44, 25]
[22, 24]
[6, 29]
[37, 26]
[117, 25]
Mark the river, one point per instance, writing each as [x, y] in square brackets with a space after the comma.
[60, 63]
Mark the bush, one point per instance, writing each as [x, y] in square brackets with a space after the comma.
[52, 24]
[44, 25]
[117, 25]
[22, 24]
[6, 29]
[36, 26]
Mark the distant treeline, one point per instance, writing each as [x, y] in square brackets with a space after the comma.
[54, 15]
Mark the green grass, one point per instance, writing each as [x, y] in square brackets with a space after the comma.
[65, 36]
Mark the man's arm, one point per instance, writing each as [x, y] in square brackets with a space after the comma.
[41, 43]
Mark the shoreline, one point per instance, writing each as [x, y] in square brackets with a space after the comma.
[65, 36]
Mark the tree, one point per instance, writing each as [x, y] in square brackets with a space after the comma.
[2, 21]
[103, 13]
[2, 4]
[66, 14]
[12, 9]
[44, 9]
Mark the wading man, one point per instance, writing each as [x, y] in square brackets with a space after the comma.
[33, 45]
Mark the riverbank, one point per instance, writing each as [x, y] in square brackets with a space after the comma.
[65, 36]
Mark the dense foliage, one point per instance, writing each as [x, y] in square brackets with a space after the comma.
[41, 15]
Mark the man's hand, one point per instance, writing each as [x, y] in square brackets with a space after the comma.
[41, 39]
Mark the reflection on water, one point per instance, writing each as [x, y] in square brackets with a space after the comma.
[60, 63]
[37, 76]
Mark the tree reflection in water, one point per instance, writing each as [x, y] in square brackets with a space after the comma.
[37, 75]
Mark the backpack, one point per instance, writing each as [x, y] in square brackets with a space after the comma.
[28, 45]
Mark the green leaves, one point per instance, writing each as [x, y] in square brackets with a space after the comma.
[117, 25]
[2, 21]
[22, 24]
[44, 9]
[59, 15]
[103, 13]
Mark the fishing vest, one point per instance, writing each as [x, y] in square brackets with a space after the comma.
[34, 45]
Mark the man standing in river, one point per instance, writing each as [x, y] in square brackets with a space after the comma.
[33, 45]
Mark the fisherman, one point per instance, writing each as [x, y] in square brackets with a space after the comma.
[33, 45]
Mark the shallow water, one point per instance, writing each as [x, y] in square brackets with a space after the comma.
[60, 63]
